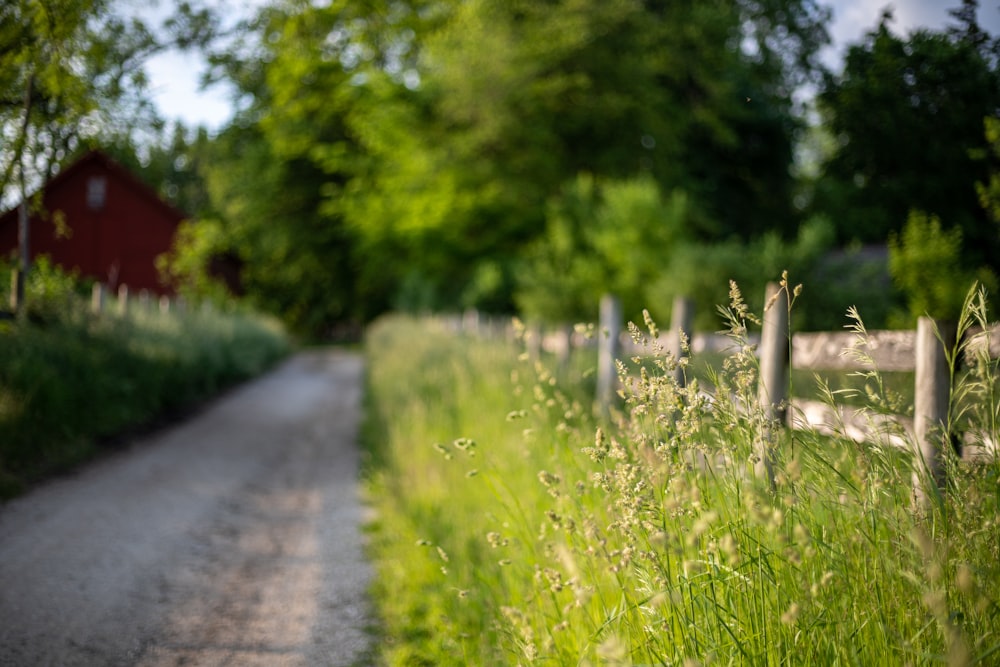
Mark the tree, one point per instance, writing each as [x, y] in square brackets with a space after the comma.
[434, 132]
[907, 116]
[40, 93]
[444, 127]
[531, 94]
[72, 70]
[264, 216]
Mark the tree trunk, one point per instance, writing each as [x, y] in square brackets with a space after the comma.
[23, 219]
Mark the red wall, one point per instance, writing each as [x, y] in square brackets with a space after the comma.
[115, 241]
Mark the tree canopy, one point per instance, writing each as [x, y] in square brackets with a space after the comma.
[444, 127]
[907, 119]
[516, 154]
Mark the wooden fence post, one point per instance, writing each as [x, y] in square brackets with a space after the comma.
[564, 348]
[533, 341]
[15, 277]
[772, 389]
[930, 406]
[681, 320]
[470, 322]
[97, 298]
[607, 352]
[123, 299]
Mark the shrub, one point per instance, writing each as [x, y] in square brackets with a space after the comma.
[925, 263]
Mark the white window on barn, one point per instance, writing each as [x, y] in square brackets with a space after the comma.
[97, 190]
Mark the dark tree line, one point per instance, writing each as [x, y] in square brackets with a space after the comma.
[522, 155]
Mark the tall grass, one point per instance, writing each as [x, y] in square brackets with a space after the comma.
[70, 380]
[512, 529]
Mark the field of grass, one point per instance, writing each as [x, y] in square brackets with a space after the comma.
[512, 528]
[70, 380]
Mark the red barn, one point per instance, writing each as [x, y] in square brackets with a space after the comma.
[101, 221]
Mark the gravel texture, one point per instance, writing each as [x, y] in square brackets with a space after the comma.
[230, 539]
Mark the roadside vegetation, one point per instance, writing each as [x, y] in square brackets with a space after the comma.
[70, 380]
[512, 528]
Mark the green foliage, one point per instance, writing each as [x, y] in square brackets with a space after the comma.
[989, 190]
[187, 265]
[907, 117]
[50, 291]
[511, 530]
[635, 230]
[927, 265]
[613, 237]
[561, 280]
[294, 262]
[625, 238]
[72, 381]
[697, 271]
[856, 276]
[442, 129]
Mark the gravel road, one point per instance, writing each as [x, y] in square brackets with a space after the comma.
[230, 539]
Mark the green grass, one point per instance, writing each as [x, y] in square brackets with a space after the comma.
[513, 529]
[69, 381]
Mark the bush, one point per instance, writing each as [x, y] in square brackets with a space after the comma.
[603, 236]
[50, 290]
[926, 264]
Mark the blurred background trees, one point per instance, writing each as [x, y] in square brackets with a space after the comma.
[907, 118]
[526, 156]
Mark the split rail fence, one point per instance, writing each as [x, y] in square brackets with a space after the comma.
[125, 300]
[922, 351]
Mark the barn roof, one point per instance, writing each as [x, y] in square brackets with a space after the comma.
[101, 158]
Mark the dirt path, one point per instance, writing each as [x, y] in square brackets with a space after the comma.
[230, 539]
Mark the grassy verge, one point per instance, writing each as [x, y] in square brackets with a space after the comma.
[69, 380]
[513, 530]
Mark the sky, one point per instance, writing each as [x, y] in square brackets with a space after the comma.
[174, 76]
